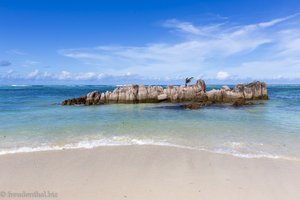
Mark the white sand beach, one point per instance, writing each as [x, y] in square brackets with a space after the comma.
[148, 172]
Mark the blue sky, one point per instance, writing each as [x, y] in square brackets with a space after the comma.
[104, 42]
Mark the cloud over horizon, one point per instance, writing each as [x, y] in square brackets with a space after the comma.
[240, 50]
[66, 77]
[225, 51]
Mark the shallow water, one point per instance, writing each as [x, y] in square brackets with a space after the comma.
[31, 119]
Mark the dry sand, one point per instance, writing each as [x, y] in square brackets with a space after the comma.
[148, 172]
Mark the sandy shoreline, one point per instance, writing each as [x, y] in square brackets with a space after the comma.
[148, 172]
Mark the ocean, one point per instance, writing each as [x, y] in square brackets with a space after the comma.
[32, 119]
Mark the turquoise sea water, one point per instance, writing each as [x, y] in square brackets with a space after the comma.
[31, 119]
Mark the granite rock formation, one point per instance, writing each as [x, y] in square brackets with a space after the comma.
[252, 91]
[192, 93]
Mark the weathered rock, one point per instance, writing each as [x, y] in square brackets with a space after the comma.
[162, 97]
[80, 100]
[153, 92]
[264, 91]
[239, 102]
[207, 103]
[225, 87]
[253, 91]
[142, 94]
[201, 85]
[102, 98]
[192, 106]
[230, 96]
[242, 102]
[172, 93]
[113, 96]
[215, 95]
[186, 93]
[192, 93]
[93, 98]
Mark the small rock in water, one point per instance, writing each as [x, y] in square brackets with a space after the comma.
[208, 103]
[239, 102]
[242, 102]
[192, 106]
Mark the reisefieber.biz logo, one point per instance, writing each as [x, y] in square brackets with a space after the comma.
[25, 194]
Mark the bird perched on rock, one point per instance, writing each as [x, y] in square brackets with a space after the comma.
[188, 80]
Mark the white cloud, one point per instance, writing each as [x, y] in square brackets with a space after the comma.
[211, 49]
[10, 74]
[182, 26]
[223, 51]
[68, 76]
[86, 77]
[63, 77]
[276, 21]
[222, 75]
[34, 74]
